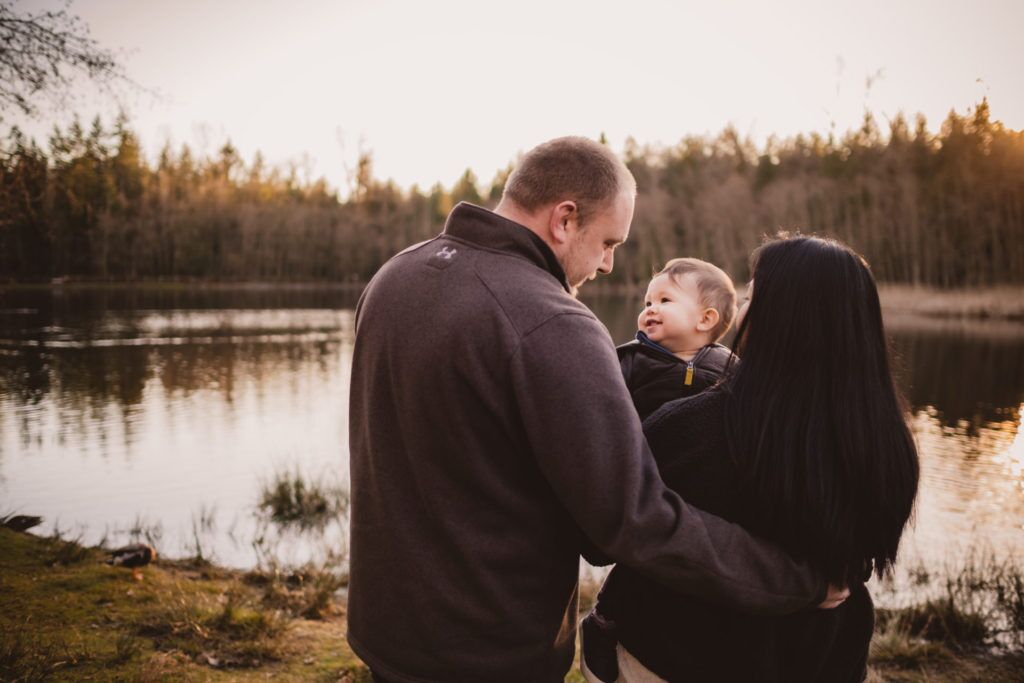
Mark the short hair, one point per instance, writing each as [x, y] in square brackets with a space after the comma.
[569, 168]
[714, 286]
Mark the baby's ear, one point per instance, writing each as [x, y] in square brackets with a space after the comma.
[708, 320]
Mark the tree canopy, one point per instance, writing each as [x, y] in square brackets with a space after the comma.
[941, 208]
[41, 52]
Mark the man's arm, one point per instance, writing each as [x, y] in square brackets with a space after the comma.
[625, 353]
[587, 439]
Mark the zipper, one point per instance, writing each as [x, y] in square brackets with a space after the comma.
[693, 361]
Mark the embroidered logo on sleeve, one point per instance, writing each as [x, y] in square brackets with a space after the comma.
[443, 257]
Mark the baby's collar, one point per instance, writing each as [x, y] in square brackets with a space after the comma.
[651, 344]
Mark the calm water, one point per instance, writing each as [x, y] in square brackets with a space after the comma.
[165, 410]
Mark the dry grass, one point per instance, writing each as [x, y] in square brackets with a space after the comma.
[26, 657]
[1006, 303]
[968, 627]
[976, 602]
[233, 632]
[309, 592]
[895, 645]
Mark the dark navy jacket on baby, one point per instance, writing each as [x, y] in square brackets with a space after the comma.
[656, 376]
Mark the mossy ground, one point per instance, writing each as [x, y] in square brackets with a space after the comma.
[64, 615]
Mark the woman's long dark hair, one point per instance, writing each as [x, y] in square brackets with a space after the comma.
[814, 417]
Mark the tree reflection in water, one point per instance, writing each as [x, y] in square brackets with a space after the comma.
[116, 404]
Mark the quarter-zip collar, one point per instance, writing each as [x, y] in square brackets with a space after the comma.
[489, 230]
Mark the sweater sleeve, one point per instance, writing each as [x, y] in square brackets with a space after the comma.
[626, 354]
[587, 440]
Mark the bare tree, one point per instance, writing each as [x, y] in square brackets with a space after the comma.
[42, 52]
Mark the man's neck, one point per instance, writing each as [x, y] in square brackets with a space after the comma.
[514, 213]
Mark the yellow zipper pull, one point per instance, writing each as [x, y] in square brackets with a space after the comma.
[689, 374]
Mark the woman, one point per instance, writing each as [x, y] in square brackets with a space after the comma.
[805, 444]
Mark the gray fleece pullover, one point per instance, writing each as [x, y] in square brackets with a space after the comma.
[489, 428]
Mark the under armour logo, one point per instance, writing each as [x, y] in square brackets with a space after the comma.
[443, 259]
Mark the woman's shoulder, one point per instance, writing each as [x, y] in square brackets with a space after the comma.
[707, 406]
[689, 430]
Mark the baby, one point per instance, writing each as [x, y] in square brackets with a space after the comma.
[689, 306]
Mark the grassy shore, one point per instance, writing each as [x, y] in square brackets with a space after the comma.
[994, 303]
[64, 615]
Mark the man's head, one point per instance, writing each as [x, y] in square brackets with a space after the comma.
[689, 303]
[577, 196]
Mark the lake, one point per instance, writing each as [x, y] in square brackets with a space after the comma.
[160, 412]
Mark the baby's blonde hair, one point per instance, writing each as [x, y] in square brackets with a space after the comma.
[715, 288]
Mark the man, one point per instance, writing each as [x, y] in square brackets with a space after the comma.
[491, 432]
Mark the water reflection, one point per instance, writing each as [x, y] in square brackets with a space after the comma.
[138, 419]
[965, 389]
[129, 410]
[967, 380]
[972, 490]
[101, 389]
[77, 306]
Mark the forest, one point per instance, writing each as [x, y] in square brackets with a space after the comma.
[942, 209]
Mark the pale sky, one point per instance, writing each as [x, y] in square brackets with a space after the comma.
[432, 88]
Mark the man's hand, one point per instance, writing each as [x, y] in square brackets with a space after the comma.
[836, 596]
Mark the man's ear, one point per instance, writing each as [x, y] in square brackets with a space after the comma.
[564, 217]
[708, 320]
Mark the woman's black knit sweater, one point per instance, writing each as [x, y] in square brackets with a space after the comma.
[684, 638]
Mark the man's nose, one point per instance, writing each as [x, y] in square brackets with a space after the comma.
[607, 262]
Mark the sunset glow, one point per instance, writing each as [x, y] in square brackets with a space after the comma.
[434, 88]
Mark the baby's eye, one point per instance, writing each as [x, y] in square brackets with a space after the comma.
[666, 300]
[647, 304]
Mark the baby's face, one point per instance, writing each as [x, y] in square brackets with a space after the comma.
[671, 313]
